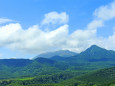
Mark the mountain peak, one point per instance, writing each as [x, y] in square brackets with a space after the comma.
[95, 47]
[95, 52]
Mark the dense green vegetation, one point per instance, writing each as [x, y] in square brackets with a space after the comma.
[103, 77]
[78, 70]
[43, 79]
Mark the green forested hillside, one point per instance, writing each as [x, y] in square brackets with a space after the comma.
[42, 79]
[103, 77]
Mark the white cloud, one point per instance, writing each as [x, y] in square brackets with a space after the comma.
[80, 40]
[4, 20]
[55, 18]
[109, 43]
[106, 12]
[95, 24]
[35, 40]
[32, 40]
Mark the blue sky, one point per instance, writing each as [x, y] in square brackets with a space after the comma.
[28, 13]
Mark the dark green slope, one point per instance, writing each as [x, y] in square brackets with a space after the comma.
[45, 60]
[9, 67]
[104, 77]
[12, 68]
[43, 80]
[15, 62]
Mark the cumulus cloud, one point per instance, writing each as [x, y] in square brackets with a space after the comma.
[35, 40]
[106, 12]
[109, 43]
[4, 20]
[55, 18]
[32, 40]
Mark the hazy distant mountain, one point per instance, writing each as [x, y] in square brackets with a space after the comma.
[62, 53]
[58, 58]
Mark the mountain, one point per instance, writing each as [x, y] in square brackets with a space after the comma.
[57, 58]
[95, 53]
[62, 53]
[91, 59]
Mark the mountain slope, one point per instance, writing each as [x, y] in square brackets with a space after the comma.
[41, 80]
[103, 77]
[15, 62]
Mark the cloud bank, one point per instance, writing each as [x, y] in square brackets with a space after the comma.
[34, 40]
